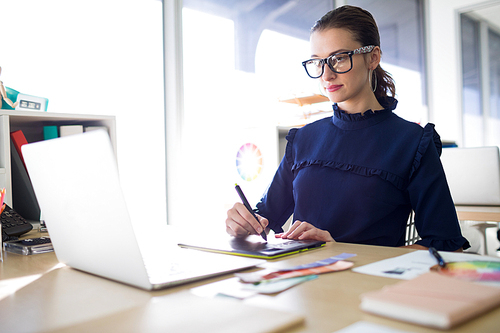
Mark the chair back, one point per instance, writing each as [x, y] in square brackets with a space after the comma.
[473, 175]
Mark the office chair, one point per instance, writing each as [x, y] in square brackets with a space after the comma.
[411, 235]
[473, 175]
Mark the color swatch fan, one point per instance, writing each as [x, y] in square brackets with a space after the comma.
[472, 270]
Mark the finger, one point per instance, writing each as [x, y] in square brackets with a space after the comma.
[311, 234]
[249, 219]
[237, 222]
[296, 229]
[263, 221]
[316, 234]
[289, 231]
[236, 231]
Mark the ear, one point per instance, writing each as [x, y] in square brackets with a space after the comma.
[374, 58]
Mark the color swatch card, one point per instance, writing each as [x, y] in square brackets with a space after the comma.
[472, 270]
[332, 264]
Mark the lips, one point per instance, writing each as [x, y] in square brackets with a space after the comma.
[332, 88]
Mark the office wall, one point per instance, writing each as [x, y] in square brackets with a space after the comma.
[444, 64]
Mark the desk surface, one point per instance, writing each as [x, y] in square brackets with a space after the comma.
[479, 213]
[66, 300]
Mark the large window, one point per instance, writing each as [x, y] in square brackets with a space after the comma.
[97, 57]
[471, 71]
[400, 24]
[481, 81]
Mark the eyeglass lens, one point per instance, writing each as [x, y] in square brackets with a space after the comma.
[339, 63]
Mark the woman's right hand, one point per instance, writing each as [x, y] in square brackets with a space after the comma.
[241, 223]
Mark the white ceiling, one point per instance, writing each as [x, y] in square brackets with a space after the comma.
[490, 13]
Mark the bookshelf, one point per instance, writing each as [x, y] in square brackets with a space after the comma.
[32, 123]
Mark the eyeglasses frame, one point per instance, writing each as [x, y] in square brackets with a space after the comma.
[361, 50]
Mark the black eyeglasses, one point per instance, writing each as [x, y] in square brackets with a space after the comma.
[338, 63]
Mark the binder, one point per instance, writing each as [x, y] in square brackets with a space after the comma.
[23, 197]
[18, 139]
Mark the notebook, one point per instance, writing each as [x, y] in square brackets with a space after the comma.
[77, 185]
[252, 246]
[432, 300]
[473, 175]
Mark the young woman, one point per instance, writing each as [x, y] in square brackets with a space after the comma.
[355, 177]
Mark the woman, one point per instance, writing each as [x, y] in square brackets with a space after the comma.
[356, 177]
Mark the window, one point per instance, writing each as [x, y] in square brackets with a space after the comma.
[400, 25]
[97, 57]
[494, 70]
[240, 58]
[472, 105]
[481, 80]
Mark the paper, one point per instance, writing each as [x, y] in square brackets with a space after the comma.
[229, 288]
[272, 286]
[236, 289]
[413, 264]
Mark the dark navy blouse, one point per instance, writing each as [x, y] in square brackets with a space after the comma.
[359, 176]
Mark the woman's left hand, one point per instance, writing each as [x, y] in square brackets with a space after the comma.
[303, 230]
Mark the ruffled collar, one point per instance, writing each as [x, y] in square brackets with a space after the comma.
[353, 121]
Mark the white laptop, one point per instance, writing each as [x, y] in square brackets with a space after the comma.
[473, 175]
[76, 182]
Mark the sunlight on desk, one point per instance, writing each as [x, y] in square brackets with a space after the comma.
[10, 286]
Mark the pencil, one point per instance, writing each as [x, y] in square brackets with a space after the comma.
[247, 205]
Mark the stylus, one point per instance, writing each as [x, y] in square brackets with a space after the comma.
[438, 257]
[247, 205]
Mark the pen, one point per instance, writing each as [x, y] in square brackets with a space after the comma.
[438, 257]
[247, 205]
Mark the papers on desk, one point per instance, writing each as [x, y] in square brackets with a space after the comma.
[272, 281]
[333, 264]
[413, 264]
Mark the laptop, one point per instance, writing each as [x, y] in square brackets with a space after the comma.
[473, 175]
[76, 182]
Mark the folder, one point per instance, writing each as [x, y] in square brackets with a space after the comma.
[18, 139]
[23, 197]
[432, 300]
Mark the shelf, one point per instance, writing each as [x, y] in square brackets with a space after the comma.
[306, 99]
[32, 123]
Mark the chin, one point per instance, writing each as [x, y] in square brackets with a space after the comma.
[335, 99]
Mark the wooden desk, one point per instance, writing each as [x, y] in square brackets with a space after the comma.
[66, 300]
[479, 213]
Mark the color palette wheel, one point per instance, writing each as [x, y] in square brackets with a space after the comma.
[249, 161]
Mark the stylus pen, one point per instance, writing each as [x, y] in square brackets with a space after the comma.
[438, 257]
[247, 205]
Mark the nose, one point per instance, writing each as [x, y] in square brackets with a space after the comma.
[328, 74]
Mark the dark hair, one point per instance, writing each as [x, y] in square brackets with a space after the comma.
[361, 24]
